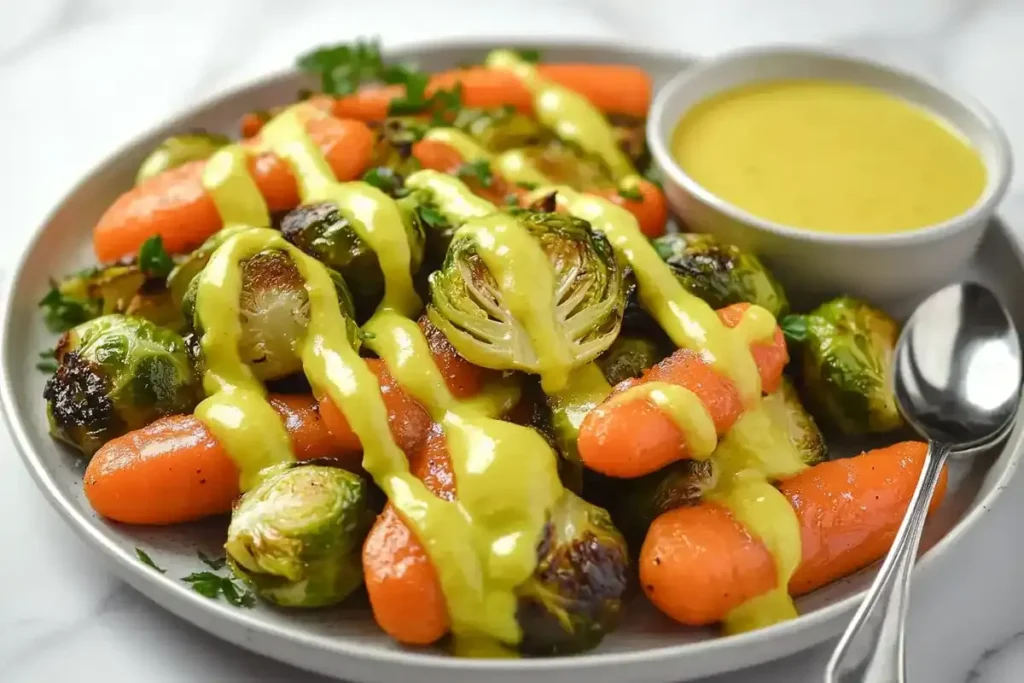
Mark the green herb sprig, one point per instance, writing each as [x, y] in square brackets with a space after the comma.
[154, 261]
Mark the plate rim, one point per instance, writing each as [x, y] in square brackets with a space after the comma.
[197, 610]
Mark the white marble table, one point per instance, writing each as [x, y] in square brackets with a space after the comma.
[77, 77]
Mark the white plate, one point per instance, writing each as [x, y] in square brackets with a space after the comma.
[344, 642]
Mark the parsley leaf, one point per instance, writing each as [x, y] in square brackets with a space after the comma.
[210, 562]
[47, 362]
[343, 68]
[145, 559]
[154, 261]
[62, 312]
[385, 180]
[431, 216]
[528, 55]
[631, 193]
[212, 585]
[794, 327]
[415, 99]
[512, 199]
[526, 186]
[479, 169]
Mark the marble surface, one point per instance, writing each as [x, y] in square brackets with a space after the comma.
[77, 77]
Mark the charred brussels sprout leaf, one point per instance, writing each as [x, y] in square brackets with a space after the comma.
[274, 313]
[324, 233]
[178, 150]
[847, 359]
[574, 597]
[637, 502]
[296, 538]
[629, 356]
[468, 305]
[720, 274]
[785, 410]
[115, 374]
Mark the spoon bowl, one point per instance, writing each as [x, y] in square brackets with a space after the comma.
[957, 379]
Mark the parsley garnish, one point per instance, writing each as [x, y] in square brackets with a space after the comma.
[385, 180]
[794, 327]
[62, 312]
[631, 193]
[47, 362]
[431, 216]
[215, 564]
[512, 199]
[479, 169]
[343, 68]
[154, 261]
[528, 55]
[212, 585]
[526, 186]
[145, 559]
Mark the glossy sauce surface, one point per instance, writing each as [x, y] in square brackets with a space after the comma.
[830, 157]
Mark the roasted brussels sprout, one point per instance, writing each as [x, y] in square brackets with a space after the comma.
[575, 594]
[296, 538]
[637, 502]
[629, 356]
[785, 410]
[847, 349]
[182, 274]
[565, 164]
[467, 303]
[327, 235]
[178, 150]
[274, 312]
[721, 274]
[395, 139]
[116, 373]
[502, 128]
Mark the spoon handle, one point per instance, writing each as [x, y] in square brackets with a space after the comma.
[873, 647]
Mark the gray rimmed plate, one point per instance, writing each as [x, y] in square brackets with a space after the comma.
[344, 641]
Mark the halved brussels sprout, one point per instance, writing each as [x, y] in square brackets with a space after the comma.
[115, 374]
[628, 357]
[327, 235]
[847, 349]
[181, 276]
[575, 595]
[296, 538]
[635, 503]
[468, 304]
[274, 312]
[502, 128]
[720, 274]
[786, 411]
[564, 164]
[178, 150]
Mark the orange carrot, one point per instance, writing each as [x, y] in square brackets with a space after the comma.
[405, 592]
[174, 470]
[698, 563]
[464, 379]
[612, 88]
[635, 438]
[175, 205]
[438, 156]
[650, 211]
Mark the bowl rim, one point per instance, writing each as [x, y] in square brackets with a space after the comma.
[996, 186]
[177, 598]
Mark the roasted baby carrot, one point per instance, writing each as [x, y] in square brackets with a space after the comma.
[405, 592]
[698, 563]
[174, 470]
[175, 205]
[633, 438]
[464, 379]
[650, 210]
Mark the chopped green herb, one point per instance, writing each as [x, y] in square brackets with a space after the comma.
[145, 559]
[445, 105]
[431, 216]
[343, 68]
[47, 362]
[526, 186]
[212, 563]
[794, 327]
[528, 55]
[154, 260]
[511, 199]
[62, 312]
[212, 585]
[415, 99]
[479, 169]
[631, 193]
[385, 180]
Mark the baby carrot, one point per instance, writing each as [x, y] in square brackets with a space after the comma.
[405, 592]
[175, 205]
[650, 211]
[174, 470]
[698, 563]
[635, 438]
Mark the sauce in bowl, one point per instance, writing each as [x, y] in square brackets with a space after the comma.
[829, 156]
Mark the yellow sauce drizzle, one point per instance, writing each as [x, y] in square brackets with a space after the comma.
[455, 201]
[226, 179]
[568, 113]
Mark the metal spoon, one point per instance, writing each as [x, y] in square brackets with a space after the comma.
[957, 375]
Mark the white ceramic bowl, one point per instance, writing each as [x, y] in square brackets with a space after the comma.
[815, 264]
